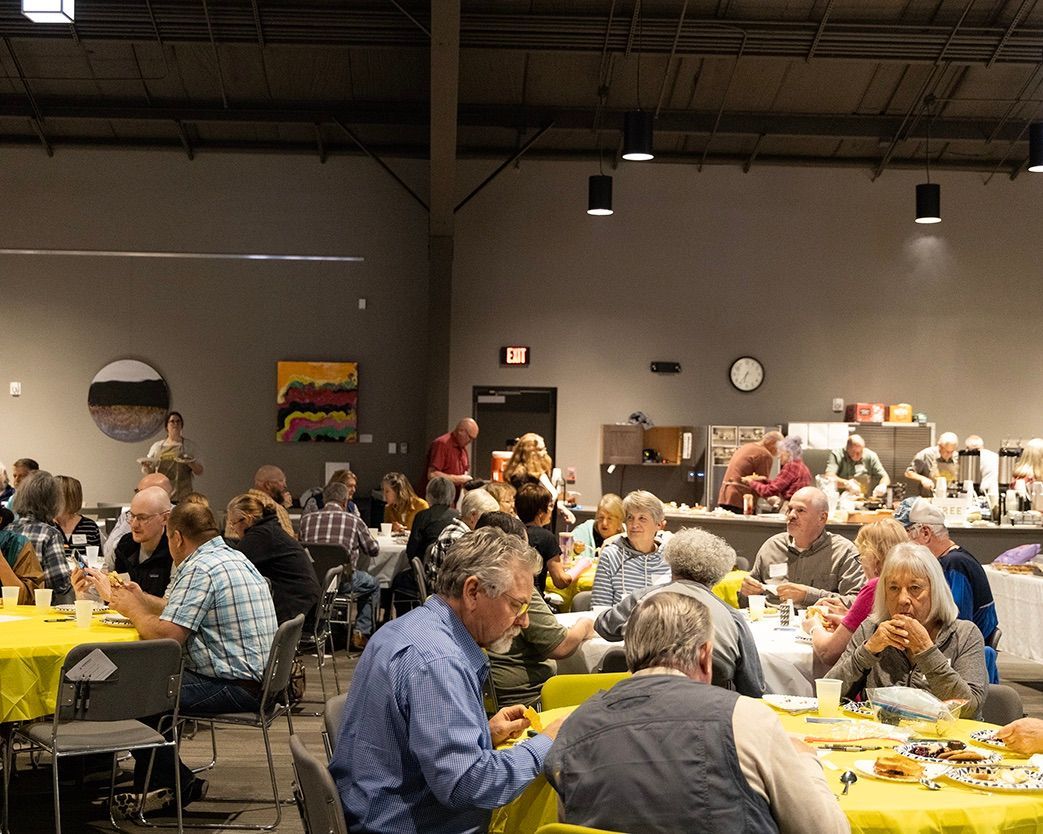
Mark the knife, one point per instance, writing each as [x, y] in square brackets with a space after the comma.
[849, 748]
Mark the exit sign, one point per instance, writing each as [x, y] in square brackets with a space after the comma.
[514, 355]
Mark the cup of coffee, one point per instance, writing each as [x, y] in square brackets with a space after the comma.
[43, 598]
[84, 612]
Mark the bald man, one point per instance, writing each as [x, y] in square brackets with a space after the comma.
[271, 490]
[144, 553]
[749, 459]
[447, 456]
[938, 461]
[122, 527]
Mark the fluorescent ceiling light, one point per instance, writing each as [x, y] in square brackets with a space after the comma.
[221, 256]
[49, 11]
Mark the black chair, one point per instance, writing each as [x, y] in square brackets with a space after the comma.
[274, 703]
[614, 660]
[316, 793]
[1002, 705]
[325, 556]
[100, 716]
[994, 639]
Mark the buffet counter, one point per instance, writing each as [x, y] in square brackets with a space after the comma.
[747, 533]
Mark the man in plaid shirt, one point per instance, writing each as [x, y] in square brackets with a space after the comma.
[333, 524]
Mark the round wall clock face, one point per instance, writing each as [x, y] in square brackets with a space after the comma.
[746, 373]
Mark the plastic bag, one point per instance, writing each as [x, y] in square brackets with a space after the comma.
[916, 706]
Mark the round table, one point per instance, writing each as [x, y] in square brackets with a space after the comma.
[390, 561]
[872, 806]
[31, 655]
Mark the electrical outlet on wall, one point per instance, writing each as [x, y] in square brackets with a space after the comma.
[838, 405]
[392, 448]
[403, 448]
[16, 389]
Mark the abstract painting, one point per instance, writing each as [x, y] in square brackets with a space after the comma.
[128, 400]
[317, 402]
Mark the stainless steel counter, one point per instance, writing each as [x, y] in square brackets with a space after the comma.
[747, 533]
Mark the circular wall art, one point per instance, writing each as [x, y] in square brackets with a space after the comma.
[129, 400]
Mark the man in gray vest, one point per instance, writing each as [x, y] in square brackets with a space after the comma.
[689, 751]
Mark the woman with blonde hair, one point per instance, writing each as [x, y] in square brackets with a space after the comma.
[606, 523]
[1030, 465]
[831, 632]
[528, 462]
[401, 502]
[79, 532]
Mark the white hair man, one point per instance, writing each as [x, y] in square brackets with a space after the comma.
[807, 562]
[689, 751]
[934, 462]
[474, 503]
[854, 463]
[416, 697]
[698, 560]
[989, 465]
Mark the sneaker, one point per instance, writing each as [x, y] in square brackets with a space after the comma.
[195, 792]
[125, 805]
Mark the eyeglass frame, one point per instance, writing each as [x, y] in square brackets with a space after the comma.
[143, 518]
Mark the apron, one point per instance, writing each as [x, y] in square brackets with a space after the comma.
[179, 473]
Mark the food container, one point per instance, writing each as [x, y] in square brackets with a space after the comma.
[900, 413]
[865, 413]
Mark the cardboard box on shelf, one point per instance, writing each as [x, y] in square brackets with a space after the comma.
[900, 413]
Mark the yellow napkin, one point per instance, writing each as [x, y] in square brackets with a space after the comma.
[534, 719]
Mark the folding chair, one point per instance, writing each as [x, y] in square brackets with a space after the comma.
[100, 716]
[614, 660]
[322, 633]
[331, 720]
[581, 602]
[326, 556]
[571, 690]
[1002, 704]
[274, 703]
[315, 792]
[420, 577]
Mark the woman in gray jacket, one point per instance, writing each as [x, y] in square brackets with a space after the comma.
[913, 637]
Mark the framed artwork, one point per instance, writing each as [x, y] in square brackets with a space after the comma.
[128, 400]
[317, 402]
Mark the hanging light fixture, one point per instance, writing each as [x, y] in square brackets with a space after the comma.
[599, 195]
[49, 11]
[637, 136]
[1036, 147]
[928, 194]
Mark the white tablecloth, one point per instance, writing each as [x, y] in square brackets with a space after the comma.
[1019, 607]
[788, 665]
[390, 561]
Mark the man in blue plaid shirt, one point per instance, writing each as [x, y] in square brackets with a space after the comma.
[416, 752]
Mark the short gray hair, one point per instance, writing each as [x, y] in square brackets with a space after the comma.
[793, 446]
[39, 497]
[667, 629]
[699, 555]
[440, 490]
[919, 561]
[640, 500]
[490, 555]
[335, 491]
[478, 501]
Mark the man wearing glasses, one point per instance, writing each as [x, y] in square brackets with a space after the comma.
[144, 553]
[123, 522]
[415, 752]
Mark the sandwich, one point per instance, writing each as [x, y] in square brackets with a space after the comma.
[897, 767]
[114, 579]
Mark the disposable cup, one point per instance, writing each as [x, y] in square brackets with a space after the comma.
[10, 596]
[43, 598]
[84, 612]
[94, 559]
[828, 692]
[385, 529]
[757, 603]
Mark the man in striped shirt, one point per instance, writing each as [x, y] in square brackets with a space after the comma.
[333, 524]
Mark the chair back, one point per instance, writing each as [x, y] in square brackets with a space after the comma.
[147, 681]
[316, 793]
[614, 660]
[581, 602]
[741, 563]
[994, 638]
[1002, 705]
[280, 659]
[421, 578]
[570, 690]
[565, 828]
[331, 721]
[325, 556]
[324, 610]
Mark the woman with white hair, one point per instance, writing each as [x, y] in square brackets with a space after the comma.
[913, 637]
[793, 474]
[634, 561]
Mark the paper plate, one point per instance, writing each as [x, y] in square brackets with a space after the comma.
[70, 608]
[931, 771]
[1014, 779]
[915, 751]
[117, 621]
[792, 703]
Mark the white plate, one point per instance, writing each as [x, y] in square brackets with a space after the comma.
[801, 637]
[860, 708]
[70, 608]
[117, 621]
[907, 750]
[988, 738]
[792, 703]
[931, 771]
[963, 776]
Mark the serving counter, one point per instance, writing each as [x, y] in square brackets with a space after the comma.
[747, 533]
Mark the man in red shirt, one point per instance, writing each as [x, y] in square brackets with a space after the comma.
[447, 456]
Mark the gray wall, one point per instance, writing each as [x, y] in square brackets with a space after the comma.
[821, 274]
[214, 329]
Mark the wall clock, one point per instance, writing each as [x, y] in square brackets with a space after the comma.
[746, 373]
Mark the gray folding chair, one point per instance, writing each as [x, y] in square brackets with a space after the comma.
[614, 660]
[420, 577]
[326, 556]
[315, 792]
[331, 721]
[274, 703]
[100, 716]
[1002, 705]
[323, 634]
[581, 602]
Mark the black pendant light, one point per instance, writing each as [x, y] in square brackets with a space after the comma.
[599, 195]
[1036, 147]
[637, 136]
[928, 194]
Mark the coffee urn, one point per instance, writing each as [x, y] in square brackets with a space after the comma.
[1008, 455]
[970, 468]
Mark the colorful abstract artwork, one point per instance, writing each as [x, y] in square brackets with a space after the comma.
[128, 400]
[317, 402]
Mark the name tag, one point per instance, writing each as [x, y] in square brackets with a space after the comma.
[778, 570]
[79, 539]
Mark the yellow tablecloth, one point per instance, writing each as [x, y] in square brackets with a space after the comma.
[31, 655]
[872, 806]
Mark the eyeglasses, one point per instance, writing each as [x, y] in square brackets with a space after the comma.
[141, 518]
[522, 605]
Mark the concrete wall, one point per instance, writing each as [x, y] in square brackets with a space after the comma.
[214, 329]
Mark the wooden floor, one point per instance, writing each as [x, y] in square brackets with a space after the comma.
[240, 779]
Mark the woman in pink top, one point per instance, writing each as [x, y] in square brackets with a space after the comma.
[874, 541]
[793, 474]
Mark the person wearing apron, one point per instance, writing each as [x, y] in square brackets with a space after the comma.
[176, 457]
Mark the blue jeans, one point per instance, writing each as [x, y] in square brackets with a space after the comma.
[199, 696]
[368, 588]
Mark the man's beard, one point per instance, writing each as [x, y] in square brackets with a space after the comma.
[503, 645]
